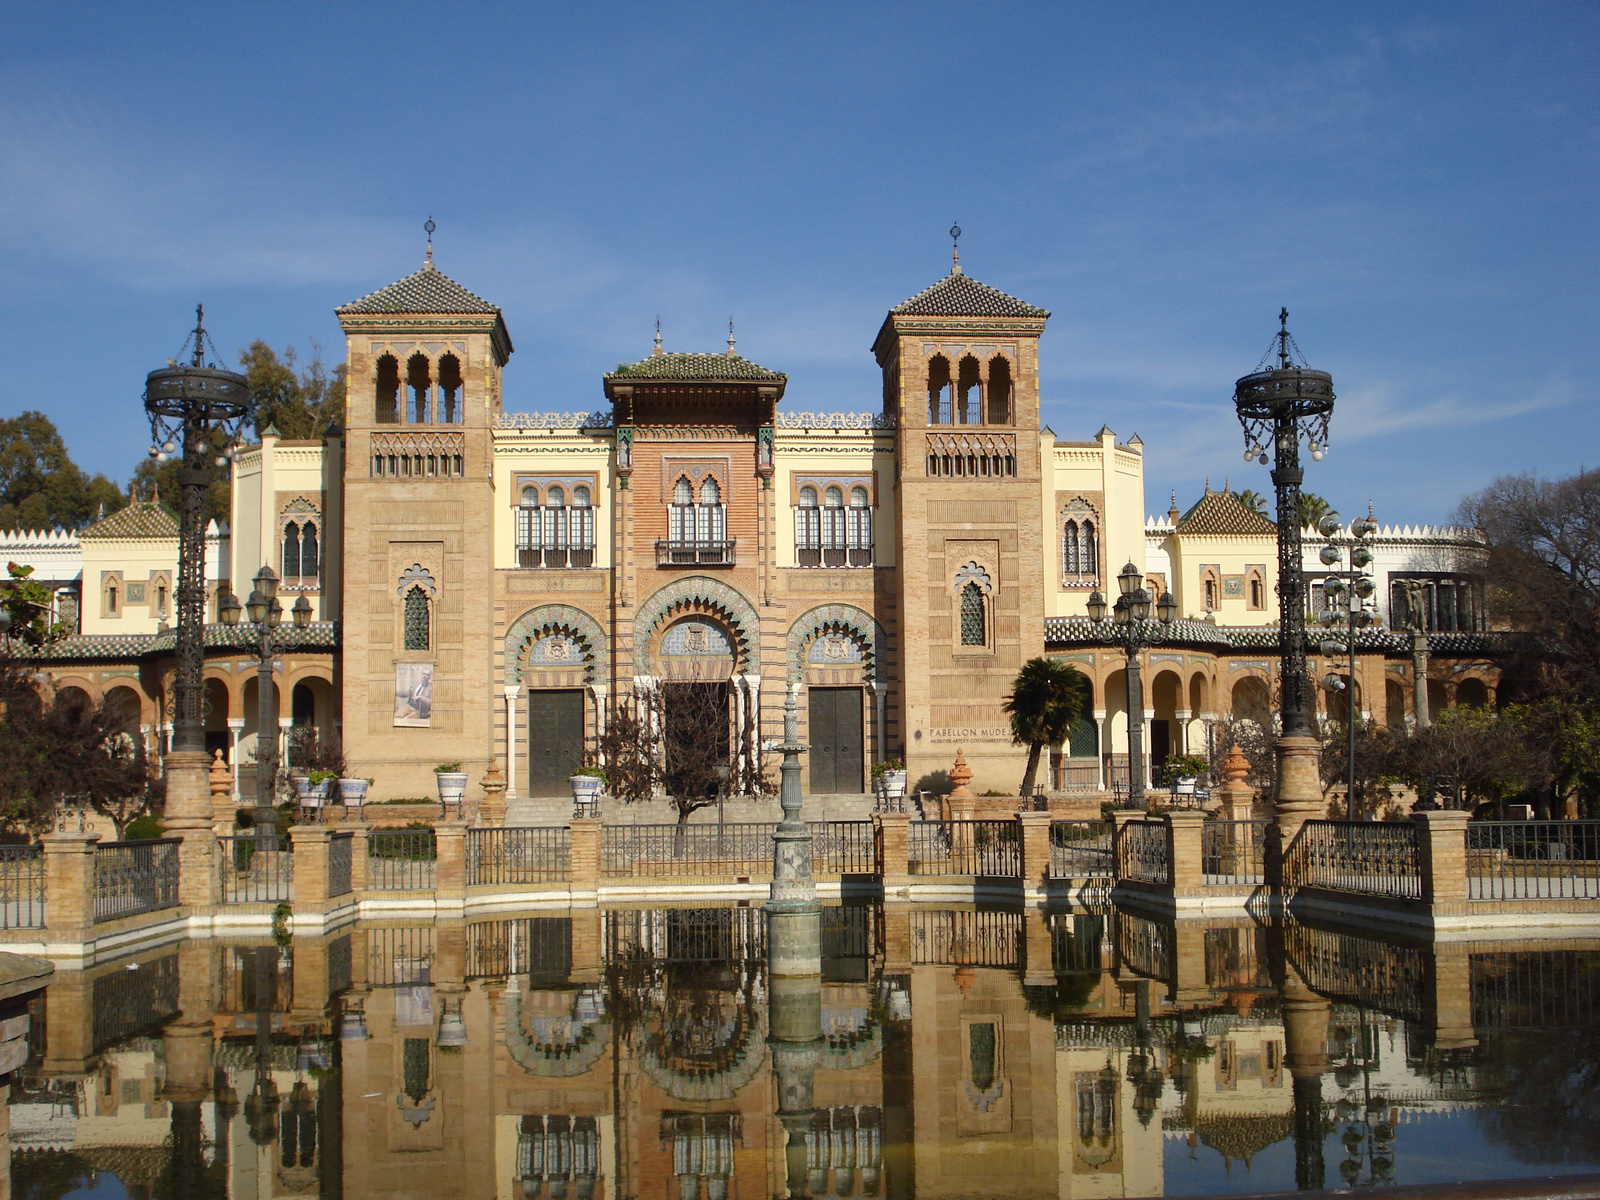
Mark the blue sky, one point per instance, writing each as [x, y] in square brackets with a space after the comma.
[1416, 182]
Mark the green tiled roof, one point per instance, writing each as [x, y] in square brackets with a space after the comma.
[1062, 632]
[100, 647]
[1224, 513]
[143, 519]
[429, 290]
[711, 367]
[958, 295]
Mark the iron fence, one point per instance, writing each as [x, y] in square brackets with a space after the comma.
[1368, 857]
[401, 860]
[251, 875]
[135, 877]
[21, 887]
[1233, 852]
[991, 849]
[341, 849]
[1142, 852]
[1076, 775]
[1533, 860]
[1082, 849]
[645, 851]
[843, 848]
[519, 855]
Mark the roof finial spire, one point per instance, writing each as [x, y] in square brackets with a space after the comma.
[199, 335]
[1173, 512]
[657, 350]
[731, 353]
[429, 227]
[955, 249]
[1283, 339]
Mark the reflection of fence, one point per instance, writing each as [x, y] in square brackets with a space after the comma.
[519, 855]
[1533, 860]
[1538, 990]
[135, 877]
[1082, 849]
[686, 935]
[125, 1002]
[21, 887]
[843, 848]
[250, 875]
[983, 848]
[1370, 857]
[1233, 852]
[1144, 946]
[536, 946]
[399, 955]
[1142, 852]
[1343, 966]
[401, 860]
[341, 850]
[960, 938]
[736, 848]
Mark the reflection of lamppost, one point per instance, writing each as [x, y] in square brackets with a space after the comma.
[1278, 406]
[1132, 614]
[1348, 589]
[266, 614]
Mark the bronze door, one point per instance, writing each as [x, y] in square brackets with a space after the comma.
[555, 741]
[837, 746]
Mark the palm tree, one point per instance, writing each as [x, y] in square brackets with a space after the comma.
[1046, 700]
[1312, 508]
[1254, 501]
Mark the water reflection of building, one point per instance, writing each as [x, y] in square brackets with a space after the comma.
[626, 1053]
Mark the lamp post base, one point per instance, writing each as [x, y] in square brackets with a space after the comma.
[1298, 799]
[188, 815]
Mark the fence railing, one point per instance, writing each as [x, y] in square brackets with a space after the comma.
[135, 877]
[248, 874]
[401, 860]
[21, 887]
[1233, 852]
[1082, 849]
[341, 850]
[519, 855]
[741, 848]
[1076, 775]
[1533, 860]
[1142, 852]
[1372, 858]
[843, 848]
[991, 849]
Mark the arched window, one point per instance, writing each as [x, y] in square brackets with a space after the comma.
[973, 624]
[419, 387]
[1080, 552]
[1069, 550]
[833, 531]
[1258, 593]
[1211, 594]
[940, 391]
[808, 529]
[969, 392]
[301, 554]
[860, 528]
[111, 600]
[529, 532]
[710, 521]
[555, 526]
[416, 619]
[386, 409]
[680, 519]
[581, 524]
[291, 551]
[1089, 553]
[450, 395]
[999, 391]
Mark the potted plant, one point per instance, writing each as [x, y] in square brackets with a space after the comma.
[1185, 770]
[452, 785]
[353, 791]
[587, 784]
[889, 778]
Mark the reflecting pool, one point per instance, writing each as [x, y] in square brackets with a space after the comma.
[941, 1052]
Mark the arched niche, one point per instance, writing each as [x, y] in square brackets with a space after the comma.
[551, 619]
[696, 593]
[843, 619]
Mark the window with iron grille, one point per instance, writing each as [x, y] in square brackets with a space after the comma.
[558, 532]
[808, 529]
[416, 619]
[831, 534]
[972, 616]
[301, 554]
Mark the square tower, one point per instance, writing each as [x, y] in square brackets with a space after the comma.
[960, 369]
[425, 358]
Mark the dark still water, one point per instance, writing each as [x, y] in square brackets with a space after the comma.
[940, 1053]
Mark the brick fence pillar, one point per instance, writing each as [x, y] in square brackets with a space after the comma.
[584, 874]
[450, 865]
[891, 835]
[69, 881]
[1034, 834]
[310, 846]
[358, 853]
[1185, 831]
[1119, 818]
[1442, 859]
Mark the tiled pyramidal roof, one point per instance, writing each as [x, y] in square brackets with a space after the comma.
[958, 295]
[143, 519]
[694, 366]
[429, 290]
[1224, 513]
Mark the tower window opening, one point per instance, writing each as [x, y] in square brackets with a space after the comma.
[969, 390]
[973, 622]
[933, 464]
[940, 391]
[419, 388]
[386, 409]
[1011, 464]
[416, 619]
[999, 390]
[451, 399]
[945, 463]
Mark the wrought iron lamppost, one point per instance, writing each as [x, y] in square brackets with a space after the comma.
[1136, 630]
[266, 615]
[1348, 589]
[1277, 406]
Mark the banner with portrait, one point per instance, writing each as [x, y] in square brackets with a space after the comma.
[413, 695]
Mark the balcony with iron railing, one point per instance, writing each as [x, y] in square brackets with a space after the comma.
[695, 552]
[833, 556]
[562, 556]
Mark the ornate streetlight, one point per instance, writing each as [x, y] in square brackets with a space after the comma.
[266, 615]
[1277, 406]
[1136, 631]
[196, 411]
[1348, 589]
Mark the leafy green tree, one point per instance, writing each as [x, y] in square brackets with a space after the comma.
[28, 604]
[1045, 702]
[153, 480]
[301, 402]
[40, 486]
[1312, 508]
[1254, 501]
